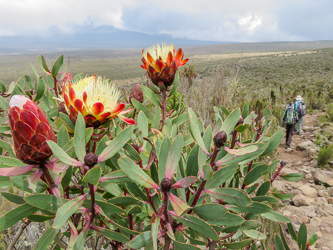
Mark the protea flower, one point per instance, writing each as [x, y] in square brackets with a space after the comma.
[30, 130]
[97, 100]
[162, 62]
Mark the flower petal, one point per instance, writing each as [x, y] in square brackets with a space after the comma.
[127, 120]
[79, 105]
[72, 95]
[29, 118]
[25, 130]
[97, 108]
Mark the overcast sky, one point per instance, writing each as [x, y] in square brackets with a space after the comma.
[211, 20]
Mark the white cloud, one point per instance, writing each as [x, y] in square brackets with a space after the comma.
[219, 20]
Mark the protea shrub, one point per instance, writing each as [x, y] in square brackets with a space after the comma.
[152, 180]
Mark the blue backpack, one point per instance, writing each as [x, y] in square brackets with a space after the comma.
[301, 109]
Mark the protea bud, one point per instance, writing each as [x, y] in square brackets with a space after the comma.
[240, 121]
[166, 185]
[136, 94]
[220, 139]
[90, 160]
[30, 130]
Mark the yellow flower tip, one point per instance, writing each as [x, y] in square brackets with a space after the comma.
[157, 51]
[97, 89]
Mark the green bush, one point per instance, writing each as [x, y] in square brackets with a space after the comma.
[325, 155]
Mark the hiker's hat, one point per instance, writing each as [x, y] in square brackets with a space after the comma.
[299, 98]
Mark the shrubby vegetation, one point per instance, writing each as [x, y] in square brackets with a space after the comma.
[152, 178]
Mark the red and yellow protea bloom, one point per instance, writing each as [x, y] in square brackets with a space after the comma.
[96, 99]
[30, 130]
[162, 62]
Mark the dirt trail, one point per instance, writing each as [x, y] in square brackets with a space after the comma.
[293, 156]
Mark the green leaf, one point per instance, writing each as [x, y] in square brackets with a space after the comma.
[34, 70]
[39, 218]
[228, 220]
[3, 103]
[79, 137]
[254, 175]
[175, 84]
[62, 155]
[112, 235]
[275, 141]
[285, 244]
[5, 146]
[263, 189]
[115, 177]
[5, 184]
[313, 239]
[10, 162]
[231, 196]
[263, 198]
[154, 98]
[134, 172]
[274, 216]
[143, 123]
[44, 202]
[141, 240]
[221, 176]
[162, 157]
[3, 88]
[198, 225]
[138, 106]
[292, 177]
[57, 65]
[15, 215]
[13, 198]
[116, 144]
[179, 120]
[47, 238]
[66, 211]
[67, 121]
[109, 208]
[174, 156]
[42, 63]
[241, 155]
[292, 231]
[184, 246]
[255, 207]
[254, 234]
[237, 245]
[245, 110]
[132, 153]
[63, 137]
[302, 237]
[278, 243]
[195, 130]
[177, 204]
[230, 122]
[93, 175]
[40, 89]
[210, 212]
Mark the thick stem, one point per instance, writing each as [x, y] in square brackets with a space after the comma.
[166, 220]
[234, 137]
[203, 183]
[277, 172]
[150, 200]
[163, 107]
[18, 234]
[92, 193]
[48, 177]
[130, 220]
[55, 87]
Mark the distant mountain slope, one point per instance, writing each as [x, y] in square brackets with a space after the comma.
[102, 38]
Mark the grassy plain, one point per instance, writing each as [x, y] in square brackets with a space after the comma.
[227, 74]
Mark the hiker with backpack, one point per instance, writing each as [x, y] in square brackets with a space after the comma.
[300, 107]
[290, 118]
